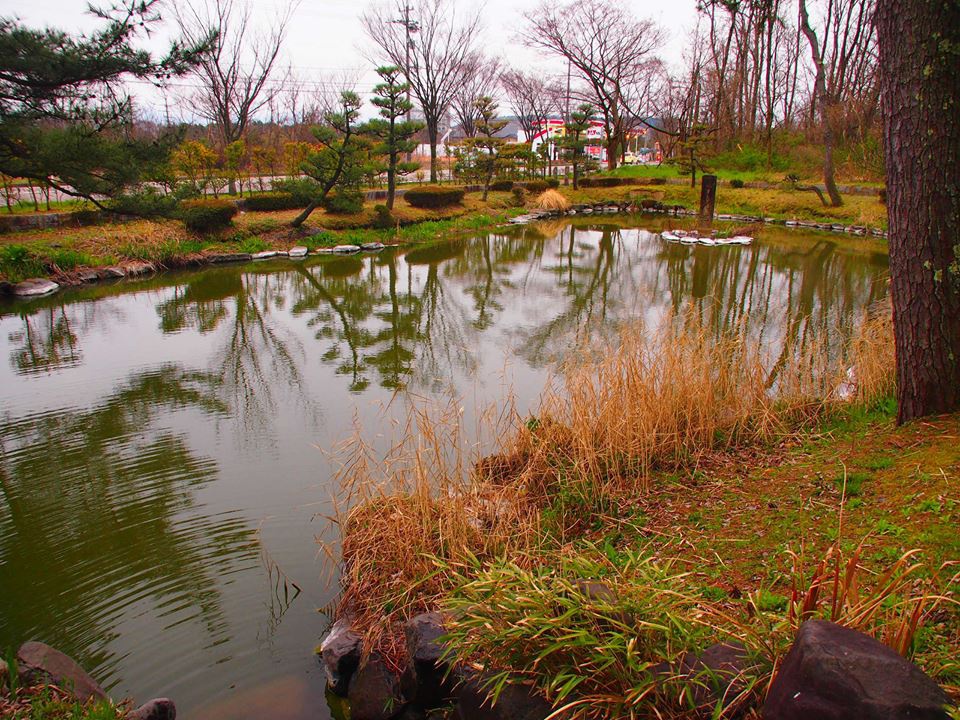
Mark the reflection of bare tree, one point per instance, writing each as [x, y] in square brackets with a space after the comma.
[255, 354]
[47, 342]
[93, 515]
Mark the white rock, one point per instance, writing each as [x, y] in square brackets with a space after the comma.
[346, 248]
[298, 251]
[34, 287]
[265, 255]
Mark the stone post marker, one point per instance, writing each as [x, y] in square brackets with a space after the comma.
[708, 197]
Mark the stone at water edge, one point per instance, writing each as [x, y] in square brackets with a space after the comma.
[35, 287]
[426, 681]
[229, 257]
[158, 709]
[265, 255]
[374, 692]
[340, 653]
[370, 247]
[835, 673]
[346, 248]
[516, 702]
[39, 663]
[298, 251]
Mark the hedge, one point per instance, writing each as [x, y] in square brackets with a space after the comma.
[274, 201]
[208, 214]
[501, 185]
[434, 196]
[343, 203]
[536, 186]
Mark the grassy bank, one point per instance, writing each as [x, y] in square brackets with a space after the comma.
[720, 496]
[57, 252]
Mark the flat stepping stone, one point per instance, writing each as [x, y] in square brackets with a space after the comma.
[371, 247]
[114, 271]
[298, 251]
[265, 255]
[35, 287]
[139, 268]
[230, 257]
[346, 248]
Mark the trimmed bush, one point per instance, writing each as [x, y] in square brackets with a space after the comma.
[434, 196]
[274, 201]
[553, 183]
[346, 203]
[208, 214]
[147, 202]
[502, 185]
[519, 196]
[536, 186]
[736, 183]
[382, 219]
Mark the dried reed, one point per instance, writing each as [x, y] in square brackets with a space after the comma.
[552, 200]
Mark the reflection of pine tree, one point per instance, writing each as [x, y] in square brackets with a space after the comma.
[116, 509]
[48, 342]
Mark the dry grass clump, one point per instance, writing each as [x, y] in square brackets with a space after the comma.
[552, 200]
[523, 487]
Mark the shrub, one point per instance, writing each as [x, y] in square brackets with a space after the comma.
[502, 185]
[736, 183]
[434, 196]
[343, 203]
[536, 186]
[519, 196]
[553, 183]
[382, 218]
[208, 214]
[147, 202]
[608, 182]
[274, 201]
[552, 200]
[303, 189]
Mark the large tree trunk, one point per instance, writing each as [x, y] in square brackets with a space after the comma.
[432, 133]
[918, 43]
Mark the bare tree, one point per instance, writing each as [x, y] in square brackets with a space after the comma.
[532, 99]
[438, 50]
[609, 49]
[236, 75]
[479, 78]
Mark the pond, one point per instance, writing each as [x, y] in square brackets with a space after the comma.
[164, 443]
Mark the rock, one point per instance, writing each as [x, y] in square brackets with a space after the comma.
[139, 268]
[427, 680]
[835, 673]
[265, 255]
[516, 702]
[39, 663]
[346, 248]
[374, 692]
[720, 676]
[35, 287]
[158, 709]
[88, 276]
[114, 271]
[229, 257]
[372, 247]
[298, 251]
[6, 288]
[340, 654]
[593, 590]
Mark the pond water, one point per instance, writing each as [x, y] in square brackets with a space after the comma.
[163, 464]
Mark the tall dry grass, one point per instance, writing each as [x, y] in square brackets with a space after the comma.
[658, 400]
[552, 200]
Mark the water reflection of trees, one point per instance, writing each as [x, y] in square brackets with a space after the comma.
[98, 512]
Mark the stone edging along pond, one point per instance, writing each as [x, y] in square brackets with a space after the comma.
[829, 671]
[39, 287]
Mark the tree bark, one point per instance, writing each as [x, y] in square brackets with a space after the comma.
[918, 44]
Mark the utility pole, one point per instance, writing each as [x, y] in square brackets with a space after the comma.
[411, 26]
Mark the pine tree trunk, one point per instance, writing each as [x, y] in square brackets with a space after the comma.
[918, 41]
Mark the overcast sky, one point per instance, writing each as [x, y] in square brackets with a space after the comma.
[325, 37]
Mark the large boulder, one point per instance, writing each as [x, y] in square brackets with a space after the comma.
[516, 702]
[374, 692]
[834, 673]
[39, 663]
[340, 654]
[157, 709]
[427, 681]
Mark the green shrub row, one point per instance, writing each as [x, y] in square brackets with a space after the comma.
[434, 196]
[207, 214]
[274, 201]
[609, 182]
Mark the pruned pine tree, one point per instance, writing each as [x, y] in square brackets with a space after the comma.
[575, 138]
[335, 162]
[394, 135]
[486, 141]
